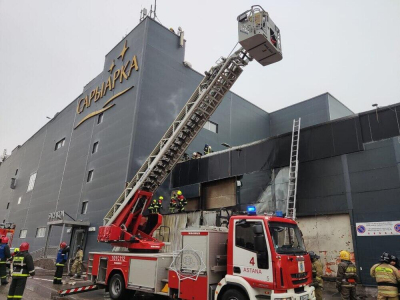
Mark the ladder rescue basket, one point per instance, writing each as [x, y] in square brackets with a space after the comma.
[259, 36]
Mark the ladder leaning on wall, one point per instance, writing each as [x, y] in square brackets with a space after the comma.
[293, 171]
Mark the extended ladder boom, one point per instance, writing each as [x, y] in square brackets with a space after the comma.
[201, 105]
[123, 224]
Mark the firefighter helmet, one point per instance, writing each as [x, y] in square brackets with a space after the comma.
[4, 240]
[24, 247]
[313, 255]
[16, 250]
[161, 198]
[345, 255]
[179, 193]
[393, 258]
[63, 245]
[385, 257]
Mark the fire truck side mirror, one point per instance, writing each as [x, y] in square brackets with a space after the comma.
[258, 229]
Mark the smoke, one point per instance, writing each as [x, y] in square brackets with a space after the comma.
[274, 197]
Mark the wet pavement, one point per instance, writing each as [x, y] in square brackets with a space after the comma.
[41, 287]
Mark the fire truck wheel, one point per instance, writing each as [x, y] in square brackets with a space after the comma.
[234, 294]
[116, 287]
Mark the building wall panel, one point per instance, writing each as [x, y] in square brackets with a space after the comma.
[327, 236]
[221, 193]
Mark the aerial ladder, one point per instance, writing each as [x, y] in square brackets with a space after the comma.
[124, 225]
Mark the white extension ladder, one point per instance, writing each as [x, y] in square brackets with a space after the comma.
[293, 171]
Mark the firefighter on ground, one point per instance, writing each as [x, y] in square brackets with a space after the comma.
[207, 149]
[4, 255]
[347, 277]
[76, 269]
[156, 205]
[62, 257]
[181, 201]
[317, 275]
[22, 268]
[173, 203]
[387, 277]
[16, 251]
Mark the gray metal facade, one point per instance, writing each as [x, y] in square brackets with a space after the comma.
[317, 110]
[350, 165]
[127, 134]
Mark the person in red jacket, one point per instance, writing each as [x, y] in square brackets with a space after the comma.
[181, 201]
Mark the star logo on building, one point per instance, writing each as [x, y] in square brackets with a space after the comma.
[122, 54]
[111, 67]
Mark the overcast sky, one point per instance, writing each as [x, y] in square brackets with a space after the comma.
[50, 49]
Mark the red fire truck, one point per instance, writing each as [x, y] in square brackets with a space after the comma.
[256, 257]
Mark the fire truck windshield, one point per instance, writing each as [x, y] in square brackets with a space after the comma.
[287, 238]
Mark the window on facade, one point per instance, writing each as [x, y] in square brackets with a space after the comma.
[95, 147]
[90, 176]
[60, 144]
[31, 183]
[84, 207]
[41, 232]
[100, 118]
[8, 205]
[211, 126]
[22, 233]
[19, 200]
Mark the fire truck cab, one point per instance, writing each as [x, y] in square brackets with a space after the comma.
[266, 259]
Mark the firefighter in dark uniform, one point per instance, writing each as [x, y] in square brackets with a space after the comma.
[347, 277]
[4, 255]
[156, 205]
[22, 268]
[62, 257]
[153, 206]
[160, 201]
[207, 149]
[181, 201]
[173, 204]
[317, 275]
[387, 277]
